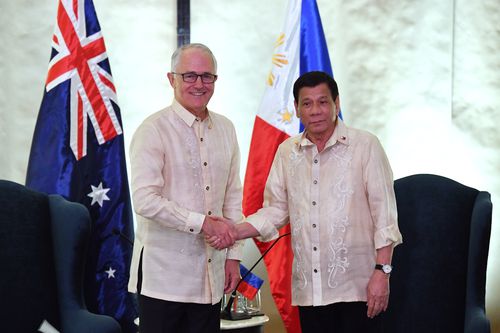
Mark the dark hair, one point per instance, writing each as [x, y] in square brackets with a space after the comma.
[313, 79]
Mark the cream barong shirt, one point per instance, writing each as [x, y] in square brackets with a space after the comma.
[183, 169]
[341, 207]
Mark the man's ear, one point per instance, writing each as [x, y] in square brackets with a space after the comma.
[337, 105]
[171, 79]
[297, 111]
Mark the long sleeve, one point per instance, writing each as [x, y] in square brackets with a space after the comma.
[379, 185]
[148, 156]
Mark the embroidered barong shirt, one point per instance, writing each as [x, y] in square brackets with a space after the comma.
[183, 169]
[341, 207]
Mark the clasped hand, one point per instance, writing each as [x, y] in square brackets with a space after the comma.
[220, 232]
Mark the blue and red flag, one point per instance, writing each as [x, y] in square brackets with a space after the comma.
[78, 152]
[300, 48]
[250, 284]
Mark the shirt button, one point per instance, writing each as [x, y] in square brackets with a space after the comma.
[314, 225]
[314, 203]
[315, 270]
[201, 139]
[315, 248]
[205, 163]
[315, 182]
[207, 188]
[191, 229]
[209, 260]
[209, 212]
[315, 161]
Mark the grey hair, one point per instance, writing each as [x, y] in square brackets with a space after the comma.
[176, 55]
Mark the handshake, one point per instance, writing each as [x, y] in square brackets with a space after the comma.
[220, 233]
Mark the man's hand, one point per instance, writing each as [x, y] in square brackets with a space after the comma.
[232, 275]
[377, 293]
[241, 231]
[219, 232]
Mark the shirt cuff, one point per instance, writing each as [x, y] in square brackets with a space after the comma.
[194, 223]
[388, 235]
[236, 251]
[266, 229]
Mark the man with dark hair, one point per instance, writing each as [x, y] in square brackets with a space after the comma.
[185, 170]
[334, 185]
[313, 79]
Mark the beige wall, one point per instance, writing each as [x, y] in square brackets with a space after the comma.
[424, 76]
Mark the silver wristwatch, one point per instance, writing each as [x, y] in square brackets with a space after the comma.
[387, 269]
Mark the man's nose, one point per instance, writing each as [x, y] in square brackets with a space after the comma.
[198, 82]
[315, 109]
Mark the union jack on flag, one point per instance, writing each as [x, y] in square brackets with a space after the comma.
[78, 152]
[77, 56]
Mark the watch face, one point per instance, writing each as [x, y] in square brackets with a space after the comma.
[386, 269]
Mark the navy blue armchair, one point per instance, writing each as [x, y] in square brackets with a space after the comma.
[43, 245]
[439, 277]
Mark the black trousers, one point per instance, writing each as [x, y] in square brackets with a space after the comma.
[346, 317]
[160, 316]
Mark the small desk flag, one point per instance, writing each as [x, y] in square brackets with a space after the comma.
[250, 284]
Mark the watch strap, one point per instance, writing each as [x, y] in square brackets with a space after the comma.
[381, 267]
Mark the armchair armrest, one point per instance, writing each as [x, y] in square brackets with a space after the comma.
[71, 227]
[479, 239]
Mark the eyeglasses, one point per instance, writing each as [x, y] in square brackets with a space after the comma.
[191, 77]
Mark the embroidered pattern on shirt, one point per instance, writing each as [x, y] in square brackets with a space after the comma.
[296, 157]
[194, 160]
[338, 260]
[298, 269]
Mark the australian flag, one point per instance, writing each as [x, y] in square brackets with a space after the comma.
[78, 152]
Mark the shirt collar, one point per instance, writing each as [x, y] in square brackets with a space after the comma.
[187, 116]
[339, 135]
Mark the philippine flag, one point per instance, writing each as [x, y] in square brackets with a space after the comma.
[300, 48]
[250, 283]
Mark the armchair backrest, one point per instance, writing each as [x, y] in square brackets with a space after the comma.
[27, 285]
[442, 261]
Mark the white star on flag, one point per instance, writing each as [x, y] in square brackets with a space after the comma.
[98, 194]
[111, 273]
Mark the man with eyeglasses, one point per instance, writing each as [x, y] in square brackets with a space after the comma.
[185, 164]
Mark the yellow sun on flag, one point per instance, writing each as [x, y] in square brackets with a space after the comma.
[278, 59]
[280, 40]
[270, 78]
[286, 116]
